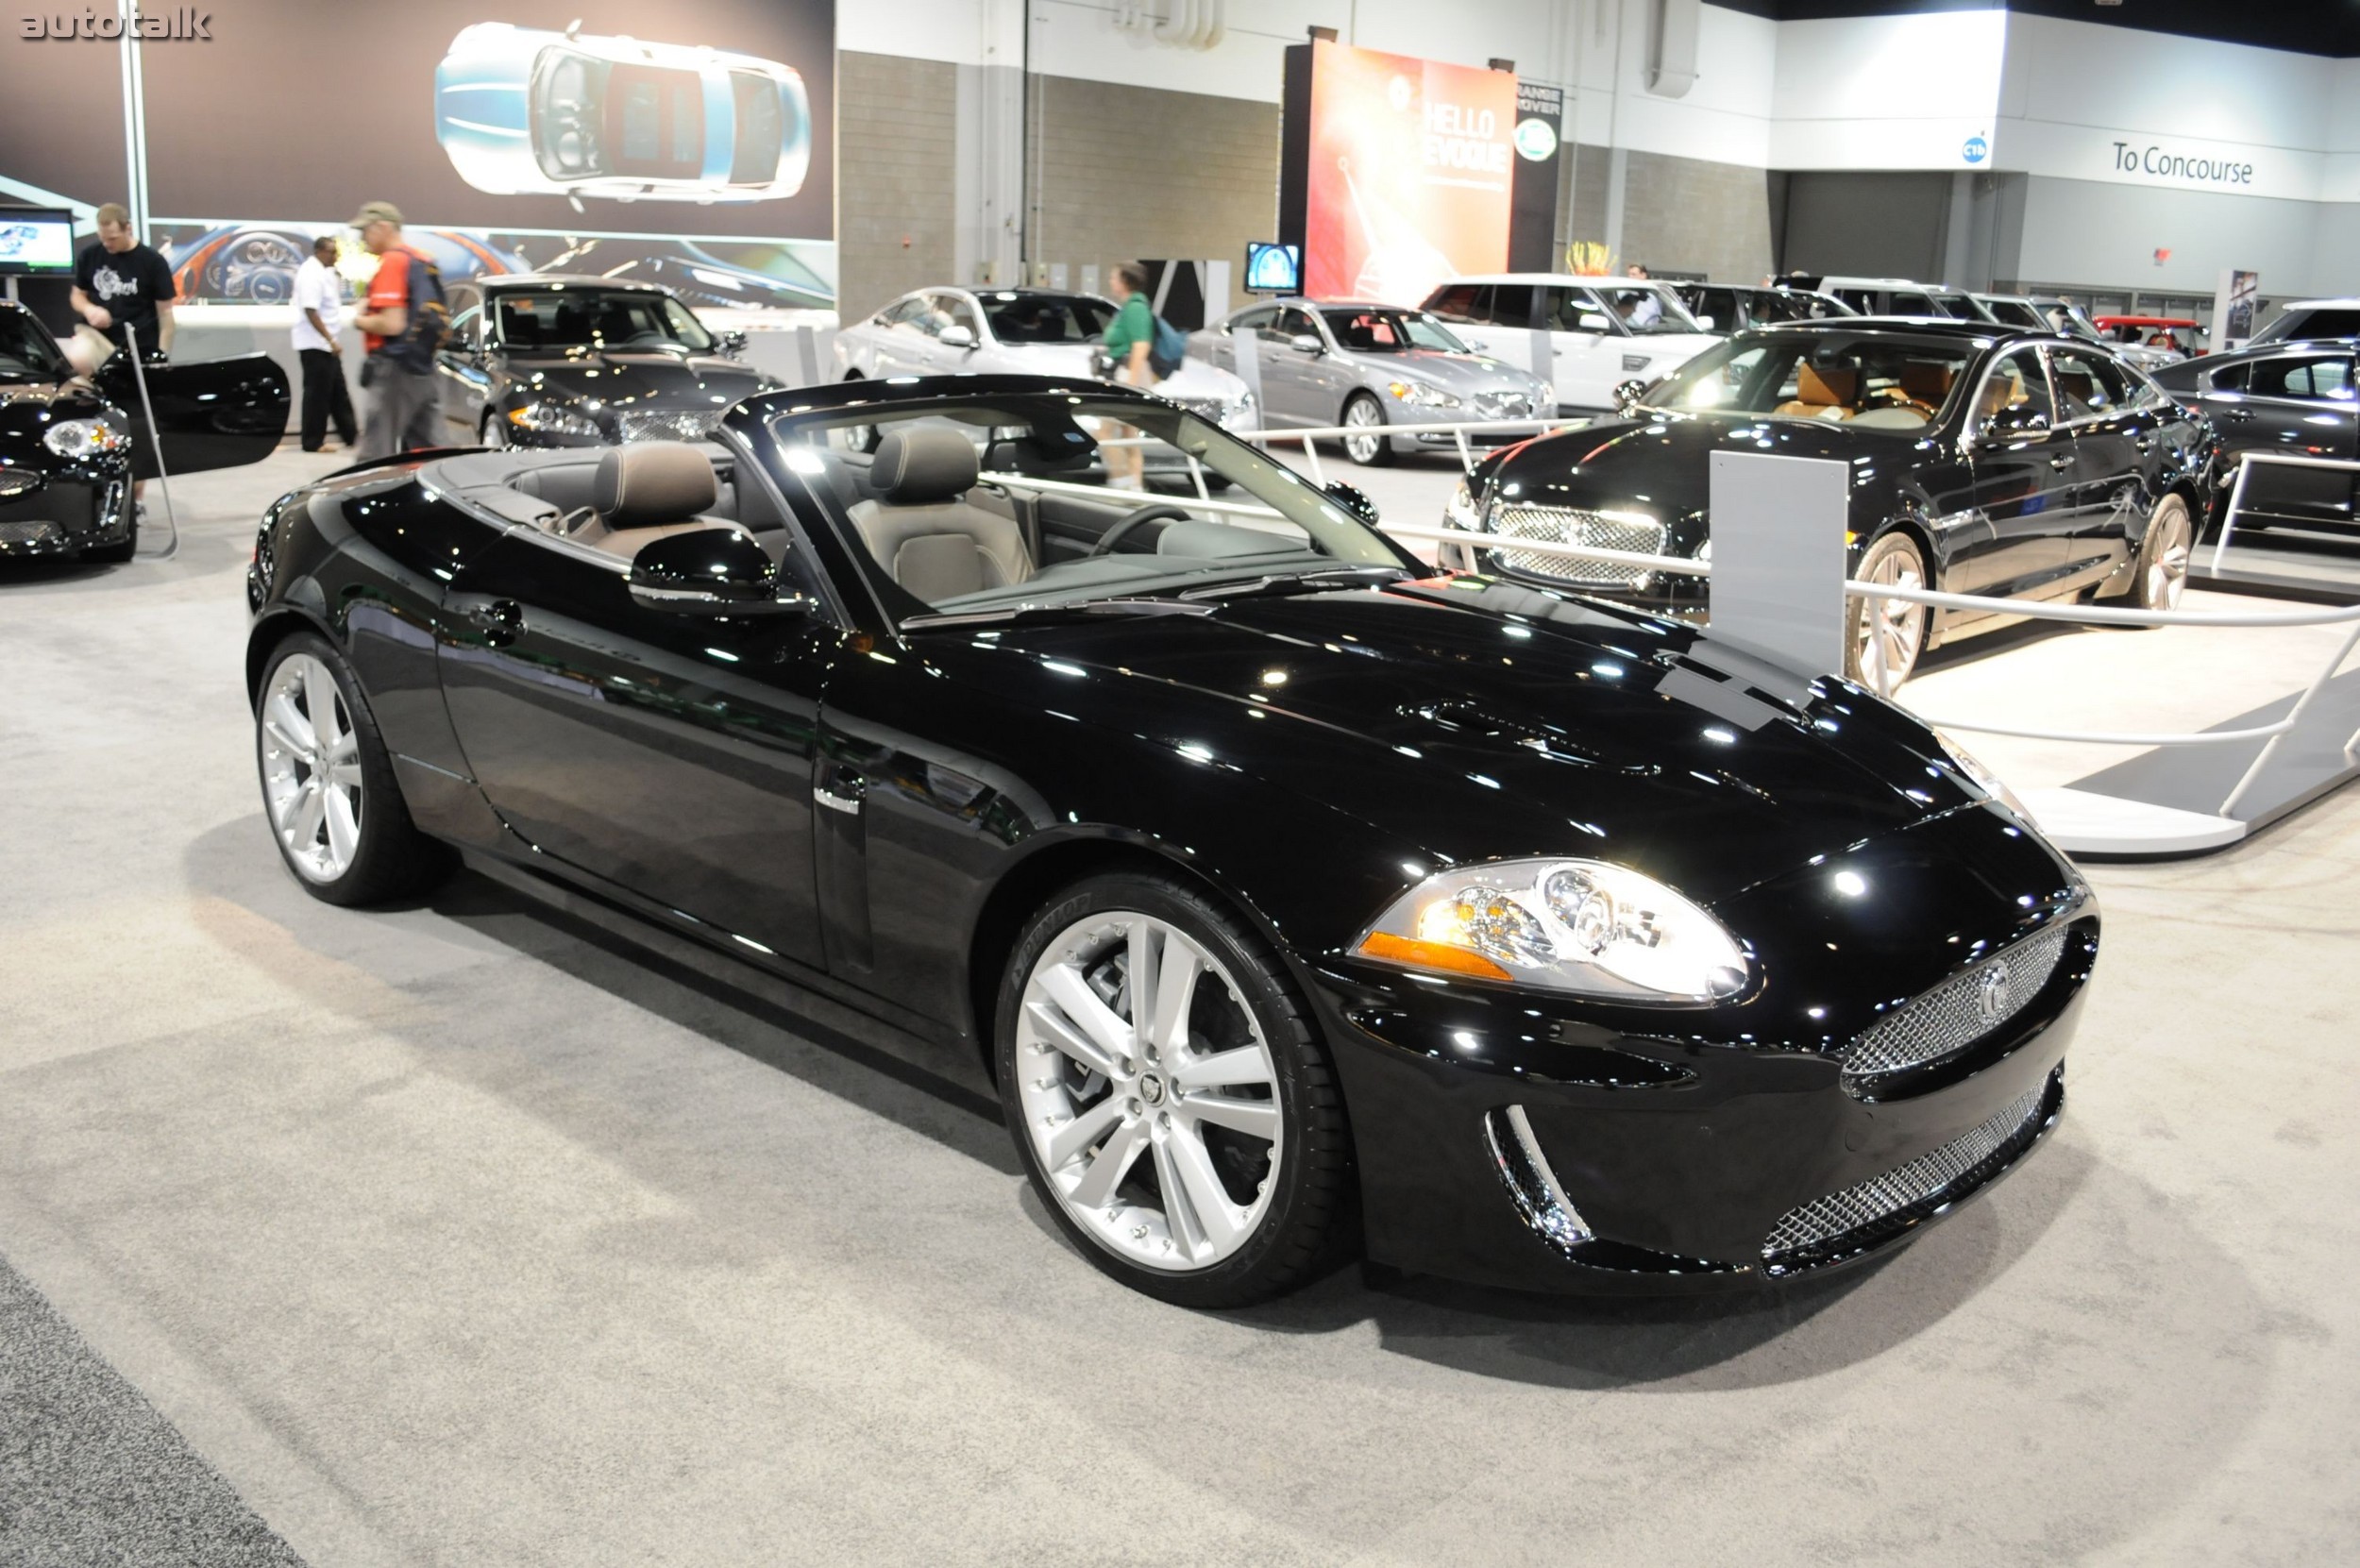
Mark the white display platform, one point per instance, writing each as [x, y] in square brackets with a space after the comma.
[2080, 823]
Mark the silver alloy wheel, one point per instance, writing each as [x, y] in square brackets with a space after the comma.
[1891, 628]
[2167, 560]
[1162, 1139]
[311, 769]
[1362, 414]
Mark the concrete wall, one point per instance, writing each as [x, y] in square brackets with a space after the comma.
[1879, 223]
[2099, 232]
[895, 213]
[1686, 215]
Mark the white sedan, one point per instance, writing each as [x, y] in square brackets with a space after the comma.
[1022, 333]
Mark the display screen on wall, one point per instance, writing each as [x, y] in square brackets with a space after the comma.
[1411, 163]
[692, 143]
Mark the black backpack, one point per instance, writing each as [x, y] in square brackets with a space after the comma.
[428, 322]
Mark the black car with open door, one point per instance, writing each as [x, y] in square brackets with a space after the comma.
[71, 448]
[1291, 900]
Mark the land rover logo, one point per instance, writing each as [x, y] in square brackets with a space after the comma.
[1536, 140]
[1991, 992]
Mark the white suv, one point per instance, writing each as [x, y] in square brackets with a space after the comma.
[1584, 336]
[2313, 318]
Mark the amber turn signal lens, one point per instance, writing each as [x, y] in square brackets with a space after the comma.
[1430, 955]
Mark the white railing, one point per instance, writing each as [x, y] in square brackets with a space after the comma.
[2246, 462]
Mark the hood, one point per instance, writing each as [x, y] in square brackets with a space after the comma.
[1194, 378]
[625, 379]
[1663, 458]
[1484, 720]
[27, 408]
[1460, 372]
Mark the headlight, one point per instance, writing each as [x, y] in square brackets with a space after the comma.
[84, 438]
[1562, 925]
[1422, 395]
[553, 420]
[1984, 777]
[1461, 512]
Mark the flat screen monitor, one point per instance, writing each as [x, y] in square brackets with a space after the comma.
[1272, 269]
[36, 241]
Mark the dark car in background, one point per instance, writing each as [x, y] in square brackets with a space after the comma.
[551, 359]
[1292, 901]
[1734, 307]
[2294, 398]
[71, 448]
[1986, 462]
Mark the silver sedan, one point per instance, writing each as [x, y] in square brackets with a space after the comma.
[1367, 366]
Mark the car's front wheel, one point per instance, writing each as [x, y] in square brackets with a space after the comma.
[1887, 635]
[327, 783]
[1169, 1094]
[1367, 445]
[2162, 559]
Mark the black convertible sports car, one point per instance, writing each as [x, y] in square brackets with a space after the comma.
[543, 360]
[1986, 461]
[70, 448]
[1290, 899]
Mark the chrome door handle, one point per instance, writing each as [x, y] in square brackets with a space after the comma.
[2061, 464]
[2143, 443]
[846, 792]
[501, 620]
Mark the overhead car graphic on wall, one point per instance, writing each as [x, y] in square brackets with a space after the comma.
[524, 110]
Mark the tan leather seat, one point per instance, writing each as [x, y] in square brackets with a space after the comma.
[645, 491]
[921, 528]
[1925, 381]
[2078, 389]
[1822, 394]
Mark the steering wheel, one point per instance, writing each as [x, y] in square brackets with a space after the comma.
[1153, 512]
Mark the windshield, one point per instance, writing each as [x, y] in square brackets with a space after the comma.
[1046, 317]
[26, 353]
[568, 318]
[1050, 519]
[1647, 311]
[1390, 331]
[1873, 384]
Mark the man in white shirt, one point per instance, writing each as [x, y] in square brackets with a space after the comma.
[319, 296]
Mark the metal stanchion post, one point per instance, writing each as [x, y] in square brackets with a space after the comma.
[164, 480]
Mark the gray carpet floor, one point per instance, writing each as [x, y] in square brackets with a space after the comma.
[456, 1234]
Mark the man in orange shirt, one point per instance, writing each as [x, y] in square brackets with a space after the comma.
[404, 414]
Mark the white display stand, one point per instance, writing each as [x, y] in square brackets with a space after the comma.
[1778, 557]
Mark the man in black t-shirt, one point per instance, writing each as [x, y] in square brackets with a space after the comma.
[119, 283]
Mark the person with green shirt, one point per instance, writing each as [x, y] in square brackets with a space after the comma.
[1130, 336]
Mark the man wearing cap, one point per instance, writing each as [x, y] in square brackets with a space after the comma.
[403, 412]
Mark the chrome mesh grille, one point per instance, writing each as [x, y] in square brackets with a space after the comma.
[27, 534]
[669, 424]
[1502, 405]
[1904, 1187]
[1960, 1011]
[1573, 526]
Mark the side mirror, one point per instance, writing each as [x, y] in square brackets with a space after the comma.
[1626, 397]
[2011, 422]
[1353, 499]
[715, 571]
[958, 337]
[1304, 343]
[733, 344]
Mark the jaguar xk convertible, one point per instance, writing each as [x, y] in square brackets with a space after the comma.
[1292, 900]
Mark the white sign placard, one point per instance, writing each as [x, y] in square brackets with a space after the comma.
[1778, 557]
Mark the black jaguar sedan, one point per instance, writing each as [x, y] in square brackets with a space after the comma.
[71, 448]
[545, 359]
[1291, 900]
[1984, 461]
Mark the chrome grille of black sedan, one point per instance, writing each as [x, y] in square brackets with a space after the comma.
[1965, 1008]
[1569, 525]
[669, 424]
[1929, 1176]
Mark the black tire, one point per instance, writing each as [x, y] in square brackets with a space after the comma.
[1896, 551]
[1310, 1223]
[393, 858]
[1384, 453]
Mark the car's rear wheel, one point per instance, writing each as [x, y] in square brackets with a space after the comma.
[1372, 449]
[1169, 1094]
[2162, 559]
[1887, 635]
[327, 783]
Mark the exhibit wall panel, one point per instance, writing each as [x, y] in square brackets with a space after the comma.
[1109, 186]
[1911, 91]
[2339, 175]
[1878, 223]
[1687, 214]
[1724, 117]
[2104, 233]
[898, 213]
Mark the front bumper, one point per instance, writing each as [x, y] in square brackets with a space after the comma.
[66, 513]
[1694, 1151]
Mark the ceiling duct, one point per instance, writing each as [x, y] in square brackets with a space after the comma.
[1672, 46]
[1176, 24]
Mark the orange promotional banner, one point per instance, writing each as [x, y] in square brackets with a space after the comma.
[1410, 174]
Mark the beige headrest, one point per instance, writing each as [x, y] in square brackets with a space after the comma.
[917, 465]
